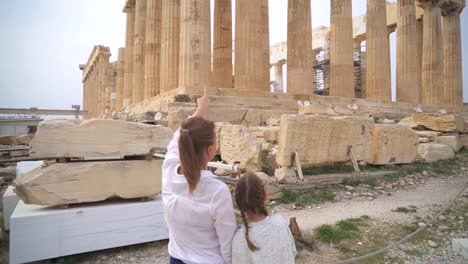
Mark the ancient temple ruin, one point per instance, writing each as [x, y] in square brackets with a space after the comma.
[168, 53]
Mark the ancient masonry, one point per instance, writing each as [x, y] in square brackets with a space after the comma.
[168, 53]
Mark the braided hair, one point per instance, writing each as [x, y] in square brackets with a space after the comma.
[250, 197]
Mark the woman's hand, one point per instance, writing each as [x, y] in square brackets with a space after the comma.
[203, 103]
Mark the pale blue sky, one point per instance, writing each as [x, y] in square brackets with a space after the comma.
[44, 41]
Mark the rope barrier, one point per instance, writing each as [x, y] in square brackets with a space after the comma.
[408, 237]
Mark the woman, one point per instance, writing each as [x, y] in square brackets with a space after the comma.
[198, 208]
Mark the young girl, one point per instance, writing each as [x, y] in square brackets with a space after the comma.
[263, 238]
[198, 208]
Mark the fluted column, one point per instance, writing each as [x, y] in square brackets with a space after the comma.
[341, 54]
[250, 67]
[278, 69]
[432, 61]
[170, 37]
[138, 52]
[300, 62]
[378, 86]
[407, 59]
[195, 46]
[128, 75]
[222, 46]
[120, 78]
[152, 48]
[266, 43]
[453, 81]
[419, 47]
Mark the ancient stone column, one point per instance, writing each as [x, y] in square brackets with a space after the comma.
[300, 62]
[250, 65]
[120, 78]
[138, 51]
[278, 69]
[266, 42]
[407, 59]
[378, 80]
[222, 46]
[152, 48]
[419, 52]
[341, 53]
[128, 75]
[170, 36]
[453, 82]
[432, 59]
[195, 46]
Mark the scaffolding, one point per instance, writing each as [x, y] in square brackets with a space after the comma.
[322, 71]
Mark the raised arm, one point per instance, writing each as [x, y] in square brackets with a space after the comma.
[172, 155]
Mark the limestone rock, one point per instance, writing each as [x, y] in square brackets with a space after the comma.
[444, 123]
[8, 140]
[97, 138]
[452, 141]
[461, 121]
[238, 144]
[430, 152]
[24, 139]
[393, 144]
[238, 116]
[8, 173]
[431, 135]
[269, 134]
[286, 175]
[80, 182]
[266, 179]
[324, 139]
[463, 139]
[408, 121]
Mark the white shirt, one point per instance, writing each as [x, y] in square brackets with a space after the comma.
[201, 224]
[272, 237]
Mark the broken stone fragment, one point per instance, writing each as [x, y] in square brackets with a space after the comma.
[238, 144]
[81, 182]
[393, 144]
[286, 175]
[430, 152]
[324, 139]
[444, 123]
[97, 138]
[453, 141]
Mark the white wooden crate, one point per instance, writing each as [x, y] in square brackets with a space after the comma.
[38, 232]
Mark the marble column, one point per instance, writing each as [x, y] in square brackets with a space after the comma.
[152, 48]
[278, 70]
[128, 75]
[419, 52]
[250, 66]
[138, 52]
[120, 78]
[453, 80]
[341, 53]
[407, 59]
[195, 46]
[378, 82]
[266, 43]
[170, 40]
[432, 59]
[222, 46]
[300, 62]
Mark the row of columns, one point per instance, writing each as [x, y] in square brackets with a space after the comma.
[429, 69]
[168, 46]
[100, 83]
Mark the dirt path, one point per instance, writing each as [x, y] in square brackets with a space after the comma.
[434, 191]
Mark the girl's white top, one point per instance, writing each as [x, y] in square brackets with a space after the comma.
[272, 237]
[201, 224]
